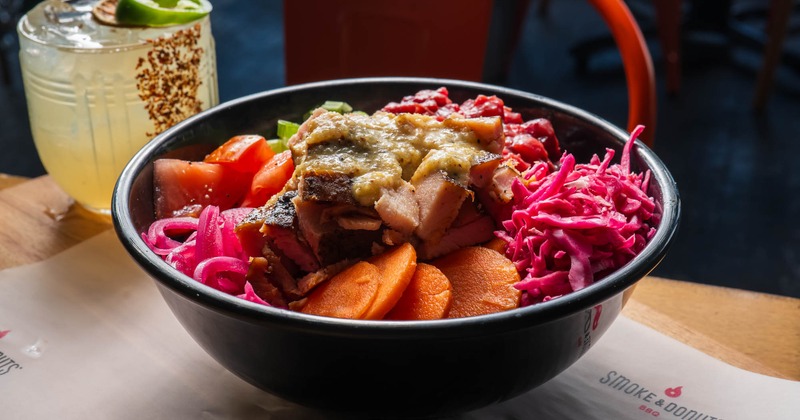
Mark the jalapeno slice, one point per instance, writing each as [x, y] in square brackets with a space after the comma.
[160, 12]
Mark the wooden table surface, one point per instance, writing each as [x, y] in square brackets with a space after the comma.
[754, 331]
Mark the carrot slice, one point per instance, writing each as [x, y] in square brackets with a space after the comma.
[428, 296]
[397, 267]
[497, 244]
[346, 295]
[483, 281]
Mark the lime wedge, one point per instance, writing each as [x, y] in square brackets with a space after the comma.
[160, 12]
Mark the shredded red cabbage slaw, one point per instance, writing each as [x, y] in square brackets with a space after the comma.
[571, 227]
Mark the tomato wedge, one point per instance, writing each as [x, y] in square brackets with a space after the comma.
[269, 180]
[247, 153]
[184, 188]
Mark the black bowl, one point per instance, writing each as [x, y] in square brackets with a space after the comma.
[382, 368]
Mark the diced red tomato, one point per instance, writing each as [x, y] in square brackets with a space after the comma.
[526, 147]
[542, 129]
[530, 142]
[426, 102]
[247, 153]
[269, 180]
[483, 106]
[184, 188]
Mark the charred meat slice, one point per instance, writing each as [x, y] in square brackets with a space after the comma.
[399, 209]
[439, 199]
[328, 240]
[470, 227]
[292, 246]
[260, 274]
[482, 172]
[280, 212]
[311, 280]
[496, 196]
[488, 130]
[327, 186]
[502, 179]
[355, 221]
[468, 213]
[352, 217]
[476, 232]
[249, 232]
[280, 229]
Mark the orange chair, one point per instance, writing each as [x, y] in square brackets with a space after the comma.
[638, 65]
[329, 39]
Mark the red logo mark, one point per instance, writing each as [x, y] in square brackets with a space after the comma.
[673, 392]
[597, 311]
[3, 333]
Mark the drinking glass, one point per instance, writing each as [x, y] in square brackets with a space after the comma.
[96, 93]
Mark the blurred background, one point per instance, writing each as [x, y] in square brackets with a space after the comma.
[735, 162]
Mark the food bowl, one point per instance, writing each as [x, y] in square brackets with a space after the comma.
[388, 368]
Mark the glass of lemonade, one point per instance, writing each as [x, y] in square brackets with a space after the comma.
[97, 93]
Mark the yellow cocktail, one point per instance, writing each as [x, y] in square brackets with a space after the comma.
[97, 93]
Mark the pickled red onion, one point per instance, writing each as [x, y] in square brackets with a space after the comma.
[211, 253]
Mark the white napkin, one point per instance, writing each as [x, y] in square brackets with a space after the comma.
[86, 334]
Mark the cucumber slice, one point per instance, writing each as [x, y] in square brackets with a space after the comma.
[286, 129]
[337, 106]
[277, 145]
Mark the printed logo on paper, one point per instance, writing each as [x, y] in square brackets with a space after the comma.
[7, 364]
[653, 402]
